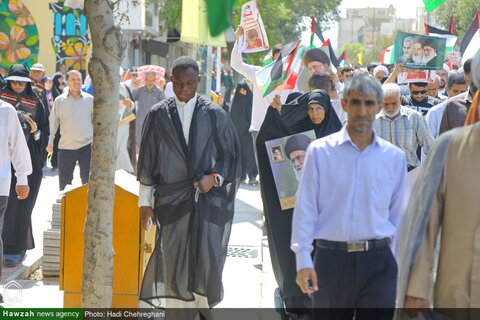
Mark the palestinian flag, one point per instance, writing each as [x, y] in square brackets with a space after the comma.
[436, 32]
[282, 74]
[342, 59]
[470, 45]
[451, 27]
[317, 40]
[388, 56]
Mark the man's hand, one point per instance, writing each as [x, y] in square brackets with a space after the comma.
[238, 32]
[206, 183]
[413, 305]
[146, 213]
[22, 191]
[33, 124]
[126, 102]
[333, 76]
[276, 103]
[49, 148]
[307, 280]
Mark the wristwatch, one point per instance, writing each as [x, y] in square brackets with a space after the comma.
[217, 178]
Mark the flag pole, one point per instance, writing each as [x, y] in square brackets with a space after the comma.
[218, 68]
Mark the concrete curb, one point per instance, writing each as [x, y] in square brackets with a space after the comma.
[23, 272]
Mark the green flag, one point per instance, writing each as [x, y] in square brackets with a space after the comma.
[431, 5]
[218, 12]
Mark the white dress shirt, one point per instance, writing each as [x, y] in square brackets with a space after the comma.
[342, 115]
[185, 113]
[13, 149]
[346, 194]
[434, 118]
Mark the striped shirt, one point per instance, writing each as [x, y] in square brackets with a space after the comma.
[407, 131]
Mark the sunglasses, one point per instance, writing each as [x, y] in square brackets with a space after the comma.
[18, 82]
[419, 92]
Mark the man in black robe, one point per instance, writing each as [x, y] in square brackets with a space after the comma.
[189, 157]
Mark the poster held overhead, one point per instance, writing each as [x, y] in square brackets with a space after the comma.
[254, 37]
[419, 52]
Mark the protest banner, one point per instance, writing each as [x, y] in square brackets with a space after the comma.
[254, 37]
[416, 75]
[286, 156]
[419, 52]
[159, 72]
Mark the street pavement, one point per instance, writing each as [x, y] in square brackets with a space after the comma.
[247, 277]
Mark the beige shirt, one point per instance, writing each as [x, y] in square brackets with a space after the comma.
[74, 116]
[455, 214]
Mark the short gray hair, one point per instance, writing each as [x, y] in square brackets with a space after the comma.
[408, 39]
[391, 89]
[364, 84]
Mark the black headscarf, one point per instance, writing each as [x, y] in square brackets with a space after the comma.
[56, 91]
[295, 114]
[241, 110]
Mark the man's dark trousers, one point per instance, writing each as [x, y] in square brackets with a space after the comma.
[67, 159]
[349, 280]
[3, 208]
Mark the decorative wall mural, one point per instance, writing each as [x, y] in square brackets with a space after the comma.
[70, 38]
[19, 41]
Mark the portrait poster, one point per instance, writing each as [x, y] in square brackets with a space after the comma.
[416, 75]
[419, 52]
[159, 71]
[286, 156]
[254, 35]
[454, 59]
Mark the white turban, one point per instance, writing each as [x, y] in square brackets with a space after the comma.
[380, 68]
[446, 68]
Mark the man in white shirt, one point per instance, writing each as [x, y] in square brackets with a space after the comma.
[260, 104]
[354, 266]
[13, 151]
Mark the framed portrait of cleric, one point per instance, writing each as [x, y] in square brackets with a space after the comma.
[287, 155]
[276, 153]
[419, 52]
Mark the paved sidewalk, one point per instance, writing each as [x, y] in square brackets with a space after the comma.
[248, 278]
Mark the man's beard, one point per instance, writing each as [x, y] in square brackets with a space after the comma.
[428, 58]
[417, 59]
[298, 173]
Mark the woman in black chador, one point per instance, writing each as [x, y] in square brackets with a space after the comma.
[17, 231]
[241, 114]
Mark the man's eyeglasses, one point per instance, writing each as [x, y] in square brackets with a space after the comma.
[298, 158]
[419, 92]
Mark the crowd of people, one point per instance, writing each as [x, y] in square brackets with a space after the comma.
[358, 236]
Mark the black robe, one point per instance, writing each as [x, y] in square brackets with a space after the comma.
[17, 233]
[192, 239]
[279, 222]
[241, 114]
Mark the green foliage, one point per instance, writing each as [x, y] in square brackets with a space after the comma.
[170, 12]
[282, 18]
[353, 49]
[464, 12]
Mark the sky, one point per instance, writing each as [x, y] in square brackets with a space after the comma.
[404, 8]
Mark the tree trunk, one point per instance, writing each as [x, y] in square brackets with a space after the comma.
[108, 48]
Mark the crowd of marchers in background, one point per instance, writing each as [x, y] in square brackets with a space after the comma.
[358, 236]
